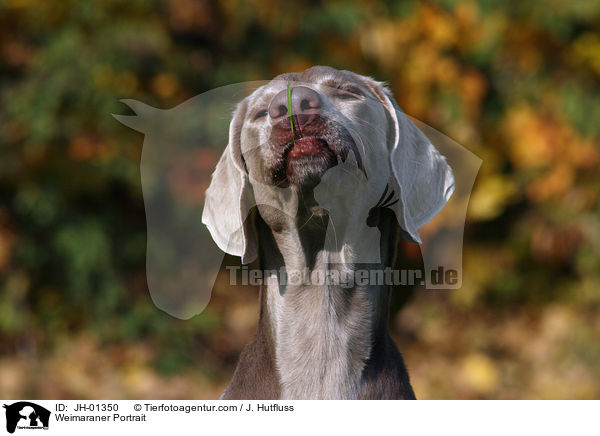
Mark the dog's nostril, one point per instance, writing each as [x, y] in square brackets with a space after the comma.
[281, 111]
[277, 108]
[305, 105]
[305, 100]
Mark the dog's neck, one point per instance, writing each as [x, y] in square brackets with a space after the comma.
[323, 333]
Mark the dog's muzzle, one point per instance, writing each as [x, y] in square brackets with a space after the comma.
[308, 142]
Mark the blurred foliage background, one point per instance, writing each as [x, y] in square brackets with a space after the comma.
[515, 82]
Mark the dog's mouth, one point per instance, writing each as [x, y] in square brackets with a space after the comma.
[306, 146]
[307, 154]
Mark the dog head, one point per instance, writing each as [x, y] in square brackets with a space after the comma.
[290, 132]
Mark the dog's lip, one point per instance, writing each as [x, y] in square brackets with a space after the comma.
[308, 151]
[306, 146]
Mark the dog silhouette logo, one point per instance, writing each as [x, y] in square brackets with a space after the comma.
[26, 415]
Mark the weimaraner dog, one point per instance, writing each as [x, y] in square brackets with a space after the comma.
[338, 173]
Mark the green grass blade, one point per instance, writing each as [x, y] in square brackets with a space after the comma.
[290, 114]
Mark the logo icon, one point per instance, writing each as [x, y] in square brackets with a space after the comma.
[26, 415]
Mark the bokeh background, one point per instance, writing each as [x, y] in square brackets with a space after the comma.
[515, 82]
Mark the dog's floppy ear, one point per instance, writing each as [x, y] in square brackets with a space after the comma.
[229, 198]
[423, 179]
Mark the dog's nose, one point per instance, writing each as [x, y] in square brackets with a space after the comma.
[305, 102]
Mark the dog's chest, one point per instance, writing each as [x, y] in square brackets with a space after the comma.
[322, 341]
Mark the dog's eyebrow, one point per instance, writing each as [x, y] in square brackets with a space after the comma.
[340, 83]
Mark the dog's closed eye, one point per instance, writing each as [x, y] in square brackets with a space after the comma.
[348, 93]
[346, 96]
[260, 114]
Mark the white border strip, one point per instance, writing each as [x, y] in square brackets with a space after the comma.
[315, 417]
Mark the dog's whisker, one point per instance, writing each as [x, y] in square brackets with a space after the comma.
[334, 234]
